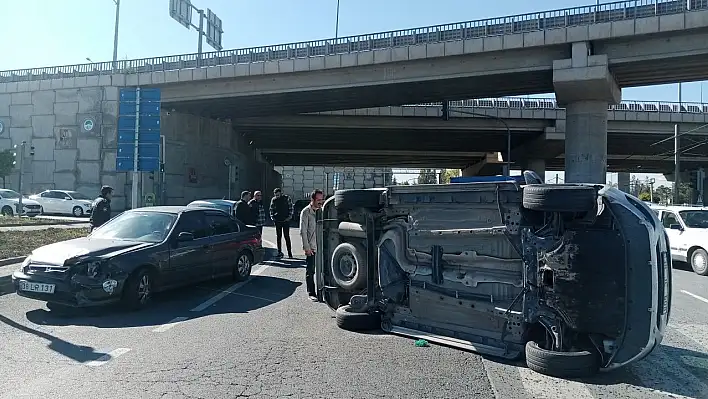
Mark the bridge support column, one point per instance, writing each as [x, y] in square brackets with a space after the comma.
[538, 166]
[585, 86]
[623, 181]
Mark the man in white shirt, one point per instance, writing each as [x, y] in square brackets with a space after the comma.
[308, 229]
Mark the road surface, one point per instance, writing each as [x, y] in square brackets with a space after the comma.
[264, 339]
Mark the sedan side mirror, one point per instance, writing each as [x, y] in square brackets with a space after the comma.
[676, 227]
[67, 198]
[185, 236]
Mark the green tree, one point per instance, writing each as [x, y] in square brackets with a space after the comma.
[447, 174]
[394, 181]
[427, 176]
[645, 196]
[662, 194]
[6, 164]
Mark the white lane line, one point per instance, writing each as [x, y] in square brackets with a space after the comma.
[700, 298]
[216, 298]
[542, 386]
[169, 324]
[272, 244]
[107, 357]
[254, 297]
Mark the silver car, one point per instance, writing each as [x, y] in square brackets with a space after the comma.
[508, 268]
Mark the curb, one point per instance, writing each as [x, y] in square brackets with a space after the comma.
[9, 261]
[42, 224]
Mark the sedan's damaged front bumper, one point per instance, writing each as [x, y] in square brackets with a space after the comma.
[76, 291]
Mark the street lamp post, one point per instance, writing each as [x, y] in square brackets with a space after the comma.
[336, 26]
[115, 36]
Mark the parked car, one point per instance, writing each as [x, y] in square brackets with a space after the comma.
[555, 273]
[137, 253]
[64, 202]
[228, 206]
[687, 227]
[10, 201]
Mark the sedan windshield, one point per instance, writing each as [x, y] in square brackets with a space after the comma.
[137, 226]
[9, 194]
[697, 219]
[77, 195]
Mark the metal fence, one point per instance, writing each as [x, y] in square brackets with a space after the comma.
[575, 16]
[551, 104]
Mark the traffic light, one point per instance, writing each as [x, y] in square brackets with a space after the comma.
[162, 167]
[235, 175]
[32, 150]
[446, 110]
[152, 175]
[14, 154]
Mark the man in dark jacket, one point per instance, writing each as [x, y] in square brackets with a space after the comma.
[258, 210]
[281, 211]
[243, 211]
[101, 207]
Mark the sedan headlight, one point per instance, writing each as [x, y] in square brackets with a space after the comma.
[93, 268]
[26, 263]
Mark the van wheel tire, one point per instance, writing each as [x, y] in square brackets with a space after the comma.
[699, 261]
[353, 199]
[560, 198]
[349, 320]
[561, 364]
[348, 266]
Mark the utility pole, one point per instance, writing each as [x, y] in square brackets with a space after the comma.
[677, 153]
[336, 26]
[556, 178]
[115, 36]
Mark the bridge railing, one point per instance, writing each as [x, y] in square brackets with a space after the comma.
[575, 16]
[550, 104]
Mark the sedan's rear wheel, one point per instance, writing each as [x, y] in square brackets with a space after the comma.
[243, 267]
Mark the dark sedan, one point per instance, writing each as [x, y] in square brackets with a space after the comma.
[140, 252]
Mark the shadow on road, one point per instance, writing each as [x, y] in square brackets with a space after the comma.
[6, 285]
[79, 353]
[694, 362]
[261, 291]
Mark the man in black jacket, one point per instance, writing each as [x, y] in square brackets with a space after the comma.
[281, 211]
[101, 208]
[243, 210]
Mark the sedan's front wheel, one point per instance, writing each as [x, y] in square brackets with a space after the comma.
[137, 293]
[242, 270]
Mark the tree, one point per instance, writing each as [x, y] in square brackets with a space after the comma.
[645, 196]
[427, 176]
[662, 194]
[447, 174]
[6, 164]
[394, 182]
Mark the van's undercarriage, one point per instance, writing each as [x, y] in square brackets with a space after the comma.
[485, 268]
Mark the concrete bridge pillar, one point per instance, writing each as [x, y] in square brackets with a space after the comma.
[585, 86]
[538, 166]
[623, 181]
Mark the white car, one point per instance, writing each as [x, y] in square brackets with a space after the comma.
[9, 201]
[687, 228]
[64, 202]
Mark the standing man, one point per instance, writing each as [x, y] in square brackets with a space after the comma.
[101, 207]
[281, 211]
[308, 229]
[243, 211]
[258, 210]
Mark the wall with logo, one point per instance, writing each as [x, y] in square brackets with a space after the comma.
[73, 131]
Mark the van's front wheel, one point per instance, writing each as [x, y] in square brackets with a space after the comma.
[561, 364]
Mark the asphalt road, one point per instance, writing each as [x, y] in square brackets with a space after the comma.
[265, 339]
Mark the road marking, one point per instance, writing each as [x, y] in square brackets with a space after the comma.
[169, 324]
[107, 357]
[254, 297]
[700, 298]
[216, 298]
[272, 244]
[491, 378]
[543, 386]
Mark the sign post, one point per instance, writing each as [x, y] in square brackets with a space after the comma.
[181, 11]
[138, 135]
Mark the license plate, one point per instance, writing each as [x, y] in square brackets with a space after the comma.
[37, 287]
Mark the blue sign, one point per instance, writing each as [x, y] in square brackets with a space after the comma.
[138, 116]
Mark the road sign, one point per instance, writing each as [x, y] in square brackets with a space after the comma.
[214, 31]
[88, 125]
[181, 11]
[138, 130]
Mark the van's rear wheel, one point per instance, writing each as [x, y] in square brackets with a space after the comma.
[561, 364]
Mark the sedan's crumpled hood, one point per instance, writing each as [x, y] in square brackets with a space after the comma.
[58, 253]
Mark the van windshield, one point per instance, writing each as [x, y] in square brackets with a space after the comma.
[697, 219]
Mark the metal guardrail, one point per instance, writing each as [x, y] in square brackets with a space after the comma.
[550, 104]
[576, 16]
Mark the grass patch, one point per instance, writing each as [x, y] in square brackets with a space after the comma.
[21, 243]
[22, 221]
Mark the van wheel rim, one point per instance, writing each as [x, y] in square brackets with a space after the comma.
[699, 261]
[347, 266]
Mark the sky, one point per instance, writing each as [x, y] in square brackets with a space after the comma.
[65, 32]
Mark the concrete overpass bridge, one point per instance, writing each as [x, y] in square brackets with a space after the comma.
[417, 136]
